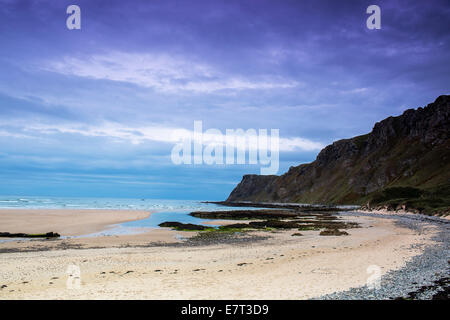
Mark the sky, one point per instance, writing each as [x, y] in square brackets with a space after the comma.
[91, 112]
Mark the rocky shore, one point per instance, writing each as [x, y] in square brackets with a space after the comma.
[28, 235]
[238, 263]
[425, 276]
[278, 205]
[268, 219]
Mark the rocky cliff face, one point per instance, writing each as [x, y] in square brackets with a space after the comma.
[411, 150]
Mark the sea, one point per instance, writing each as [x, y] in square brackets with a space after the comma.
[161, 210]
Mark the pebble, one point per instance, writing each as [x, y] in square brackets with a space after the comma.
[422, 270]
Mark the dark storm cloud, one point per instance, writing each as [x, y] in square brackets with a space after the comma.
[310, 68]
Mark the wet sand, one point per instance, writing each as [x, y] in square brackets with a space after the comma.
[280, 267]
[66, 222]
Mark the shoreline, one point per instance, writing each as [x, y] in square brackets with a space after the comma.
[404, 213]
[277, 266]
[424, 277]
[66, 222]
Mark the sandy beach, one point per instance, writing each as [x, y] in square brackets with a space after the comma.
[67, 222]
[158, 265]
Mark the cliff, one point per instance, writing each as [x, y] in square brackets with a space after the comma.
[404, 161]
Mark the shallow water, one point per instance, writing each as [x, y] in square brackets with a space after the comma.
[162, 210]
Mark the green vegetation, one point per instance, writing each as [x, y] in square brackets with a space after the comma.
[308, 227]
[431, 201]
[403, 163]
[392, 193]
[360, 141]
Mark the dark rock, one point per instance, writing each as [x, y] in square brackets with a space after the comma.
[26, 235]
[183, 226]
[242, 264]
[245, 214]
[410, 150]
[333, 232]
[292, 206]
[235, 226]
[277, 224]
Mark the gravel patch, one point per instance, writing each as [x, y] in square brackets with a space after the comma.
[424, 277]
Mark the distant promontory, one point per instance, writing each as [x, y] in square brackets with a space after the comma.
[403, 163]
